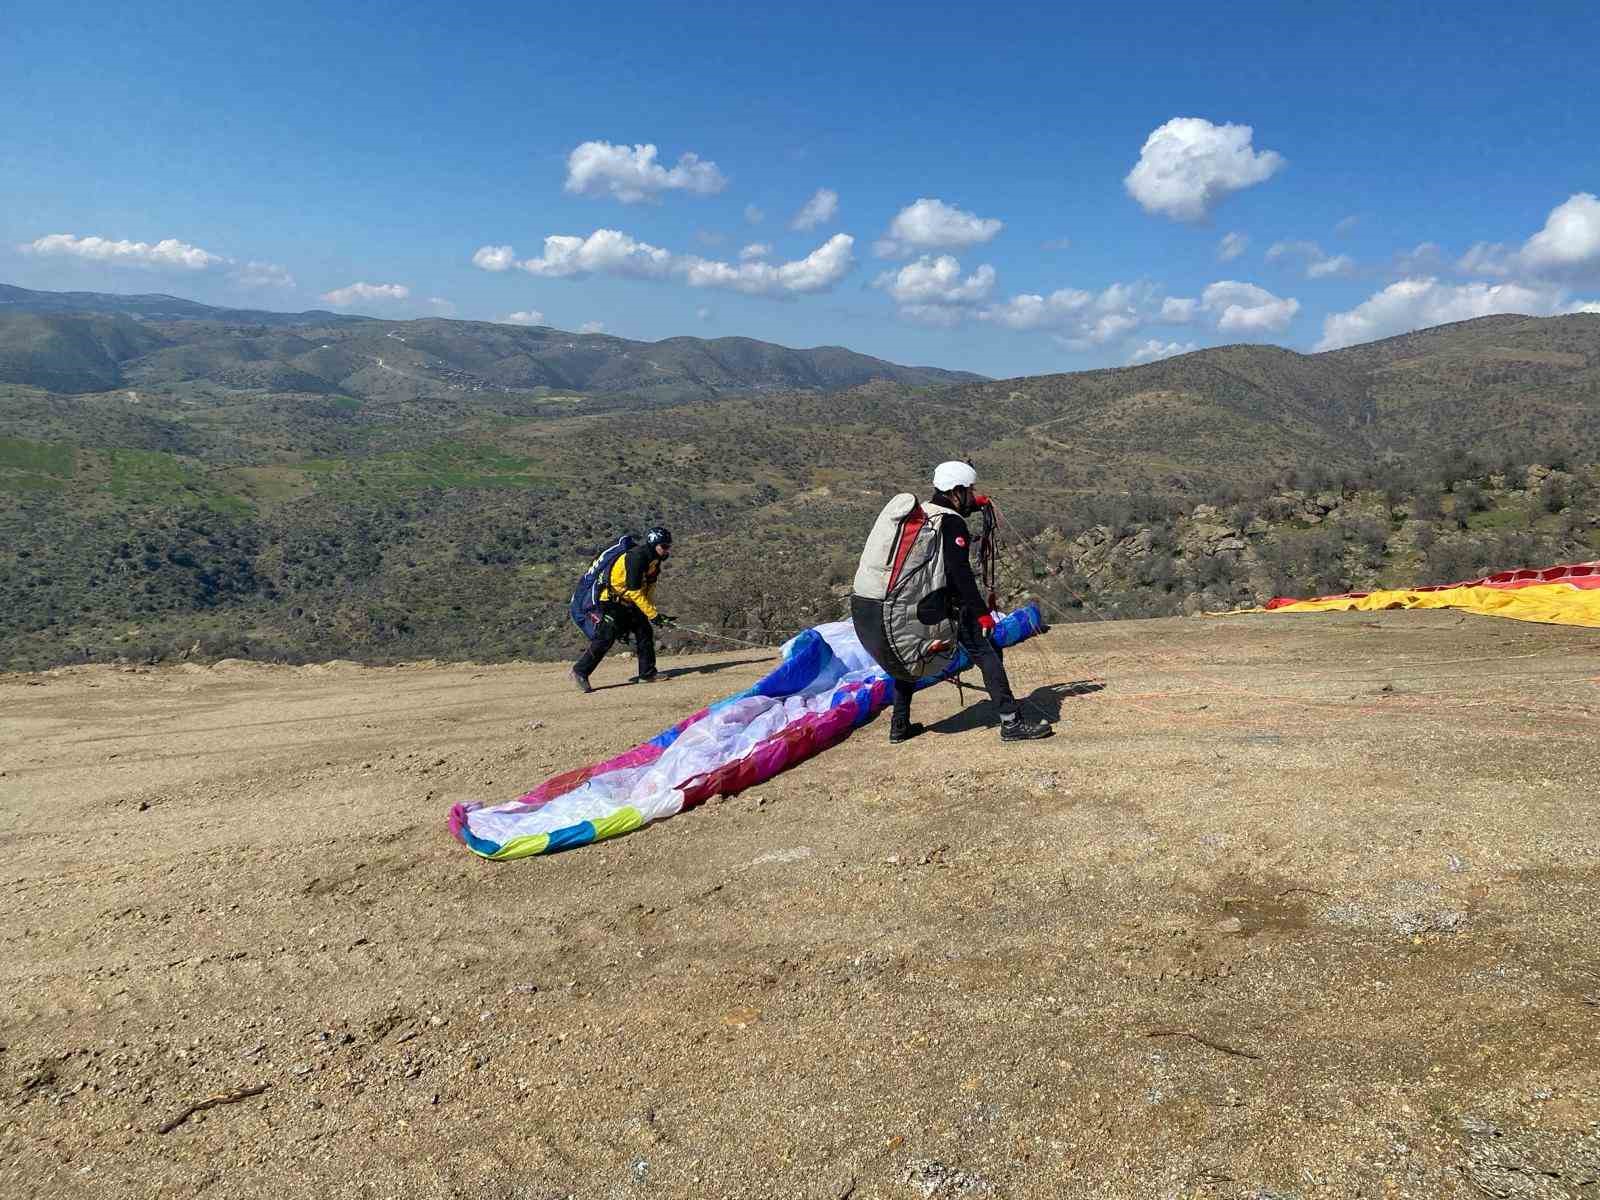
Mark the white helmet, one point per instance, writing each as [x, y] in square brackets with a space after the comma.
[948, 476]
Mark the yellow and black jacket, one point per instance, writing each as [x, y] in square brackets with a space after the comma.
[633, 580]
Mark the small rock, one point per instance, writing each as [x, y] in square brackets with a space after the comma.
[1229, 925]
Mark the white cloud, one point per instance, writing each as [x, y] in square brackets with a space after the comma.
[1246, 308]
[1567, 248]
[1188, 166]
[612, 252]
[1425, 258]
[1336, 264]
[816, 272]
[345, 296]
[755, 250]
[1178, 310]
[1079, 319]
[592, 327]
[709, 237]
[494, 258]
[607, 251]
[929, 224]
[937, 281]
[1569, 243]
[631, 174]
[1030, 310]
[528, 317]
[1100, 330]
[1487, 258]
[754, 215]
[1231, 246]
[169, 252]
[819, 210]
[1317, 262]
[441, 306]
[262, 274]
[1346, 225]
[1060, 243]
[1155, 348]
[931, 291]
[1418, 303]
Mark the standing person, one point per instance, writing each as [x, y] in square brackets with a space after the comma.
[915, 583]
[627, 607]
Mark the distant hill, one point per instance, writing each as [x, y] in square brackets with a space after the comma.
[61, 342]
[1481, 386]
[152, 306]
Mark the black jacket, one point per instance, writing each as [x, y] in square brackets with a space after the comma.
[960, 593]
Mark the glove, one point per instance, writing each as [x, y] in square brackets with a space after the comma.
[986, 623]
[660, 620]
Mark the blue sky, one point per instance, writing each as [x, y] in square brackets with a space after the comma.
[1013, 190]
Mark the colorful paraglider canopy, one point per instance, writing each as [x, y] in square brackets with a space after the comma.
[1563, 595]
[825, 685]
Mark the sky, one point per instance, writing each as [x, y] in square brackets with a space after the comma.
[1000, 189]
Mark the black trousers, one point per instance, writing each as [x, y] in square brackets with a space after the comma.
[615, 621]
[986, 657]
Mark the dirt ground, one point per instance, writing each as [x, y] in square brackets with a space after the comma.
[1290, 907]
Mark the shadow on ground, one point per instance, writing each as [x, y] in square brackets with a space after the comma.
[1044, 701]
[676, 672]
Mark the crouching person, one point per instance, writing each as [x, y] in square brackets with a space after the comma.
[627, 608]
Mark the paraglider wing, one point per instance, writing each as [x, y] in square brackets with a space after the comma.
[1564, 595]
[825, 685]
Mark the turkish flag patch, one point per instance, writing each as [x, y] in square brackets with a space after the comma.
[961, 541]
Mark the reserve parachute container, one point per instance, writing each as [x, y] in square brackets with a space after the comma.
[898, 603]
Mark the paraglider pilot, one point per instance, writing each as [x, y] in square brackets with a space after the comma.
[915, 593]
[627, 607]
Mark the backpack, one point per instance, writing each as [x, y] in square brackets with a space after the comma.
[585, 606]
[902, 564]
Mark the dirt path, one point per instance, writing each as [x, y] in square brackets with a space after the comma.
[1292, 907]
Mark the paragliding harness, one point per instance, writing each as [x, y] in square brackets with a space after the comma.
[902, 565]
[585, 606]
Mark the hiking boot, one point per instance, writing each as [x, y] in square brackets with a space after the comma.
[580, 681]
[903, 733]
[1018, 728]
[650, 678]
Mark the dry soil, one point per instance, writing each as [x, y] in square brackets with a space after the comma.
[1290, 907]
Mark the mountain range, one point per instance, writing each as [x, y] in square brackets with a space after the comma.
[74, 342]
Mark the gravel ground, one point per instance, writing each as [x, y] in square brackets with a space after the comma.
[1291, 907]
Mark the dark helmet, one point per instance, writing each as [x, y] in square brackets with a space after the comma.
[658, 537]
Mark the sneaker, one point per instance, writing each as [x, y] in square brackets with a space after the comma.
[903, 733]
[580, 681]
[1018, 728]
[650, 678]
